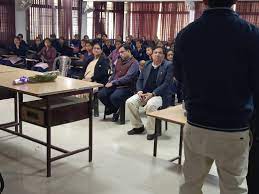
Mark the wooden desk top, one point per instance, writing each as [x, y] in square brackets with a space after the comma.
[8, 56]
[4, 69]
[174, 114]
[59, 86]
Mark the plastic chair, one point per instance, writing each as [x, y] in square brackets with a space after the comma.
[64, 64]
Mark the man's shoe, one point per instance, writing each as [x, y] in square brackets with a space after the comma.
[152, 136]
[136, 131]
[115, 117]
[108, 111]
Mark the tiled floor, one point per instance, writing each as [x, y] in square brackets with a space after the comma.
[122, 164]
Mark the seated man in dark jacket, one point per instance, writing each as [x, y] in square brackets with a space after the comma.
[121, 84]
[153, 91]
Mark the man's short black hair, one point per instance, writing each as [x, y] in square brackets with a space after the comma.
[126, 47]
[159, 47]
[221, 3]
[20, 35]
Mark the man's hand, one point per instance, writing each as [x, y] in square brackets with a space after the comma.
[108, 85]
[140, 93]
[141, 96]
[87, 79]
[148, 96]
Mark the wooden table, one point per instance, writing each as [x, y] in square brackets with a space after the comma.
[48, 92]
[4, 69]
[6, 56]
[175, 115]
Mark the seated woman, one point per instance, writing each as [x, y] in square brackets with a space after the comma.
[97, 69]
[47, 55]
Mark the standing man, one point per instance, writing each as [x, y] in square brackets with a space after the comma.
[153, 91]
[216, 58]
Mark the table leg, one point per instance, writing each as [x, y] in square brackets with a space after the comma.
[48, 121]
[20, 98]
[181, 145]
[16, 111]
[157, 128]
[90, 127]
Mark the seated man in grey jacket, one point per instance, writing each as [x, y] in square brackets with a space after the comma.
[152, 92]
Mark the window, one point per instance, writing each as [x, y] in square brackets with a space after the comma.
[7, 21]
[54, 16]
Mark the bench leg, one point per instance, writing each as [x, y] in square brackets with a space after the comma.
[122, 114]
[157, 128]
[96, 106]
[16, 115]
[181, 145]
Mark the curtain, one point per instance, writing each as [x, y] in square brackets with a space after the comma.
[249, 11]
[40, 16]
[199, 8]
[7, 21]
[99, 17]
[65, 18]
[142, 19]
[108, 18]
[61, 17]
[118, 8]
[174, 17]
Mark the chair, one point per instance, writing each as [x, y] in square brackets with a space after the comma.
[64, 64]
[121, 113]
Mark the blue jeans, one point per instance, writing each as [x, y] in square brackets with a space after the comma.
[114, 97]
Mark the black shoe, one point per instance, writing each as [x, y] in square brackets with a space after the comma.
[136, 131]
[152, 136]
[109, 111]
[115, 117]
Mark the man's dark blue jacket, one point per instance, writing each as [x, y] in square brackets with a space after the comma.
[217, 58]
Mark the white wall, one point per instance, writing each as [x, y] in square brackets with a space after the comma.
[20, 21]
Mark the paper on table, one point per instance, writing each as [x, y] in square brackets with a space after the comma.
[14, 59]
[42, 65]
